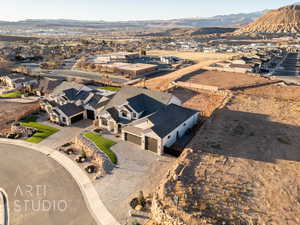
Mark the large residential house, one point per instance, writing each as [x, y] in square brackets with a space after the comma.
[17, 81]
[153, 120]
[71, 102]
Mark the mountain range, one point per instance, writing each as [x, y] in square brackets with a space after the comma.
[231, 20]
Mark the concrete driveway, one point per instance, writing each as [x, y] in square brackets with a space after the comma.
[65, 134]
[39, 190]
[137, 170]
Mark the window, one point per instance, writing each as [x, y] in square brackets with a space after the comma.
[169, 136]
[124, 113]
[184, 124]
[64, 119]
[104, 121]
[134, 115]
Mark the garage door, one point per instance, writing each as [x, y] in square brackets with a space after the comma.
[90, 114]
[77, 118]
[133, 139]
[151, 144]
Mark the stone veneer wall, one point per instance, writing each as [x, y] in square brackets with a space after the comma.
[91, 150]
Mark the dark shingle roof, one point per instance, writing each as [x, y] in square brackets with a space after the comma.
[115, 115]
[82, 95]
[137, 103]
[70, 93]
[71, 109]
[168, 118]
[95, 100]
[128, 92]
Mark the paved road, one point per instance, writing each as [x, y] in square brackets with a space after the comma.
[79, 74]
[34, 183]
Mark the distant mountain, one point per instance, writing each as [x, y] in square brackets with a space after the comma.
[282, 20]
[232, 20]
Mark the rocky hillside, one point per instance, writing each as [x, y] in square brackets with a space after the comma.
[282, 20]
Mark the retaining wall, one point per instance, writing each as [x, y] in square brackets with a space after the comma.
[92, 151]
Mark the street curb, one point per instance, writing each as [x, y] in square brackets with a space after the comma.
[4, 208]
[94, 204]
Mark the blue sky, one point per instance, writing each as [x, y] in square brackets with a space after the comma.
[114, 10]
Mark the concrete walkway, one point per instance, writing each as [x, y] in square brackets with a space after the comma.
[96, 207]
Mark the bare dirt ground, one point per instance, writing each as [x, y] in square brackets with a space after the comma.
[205, 102]
[162, 83]
[225, 80]
[242, 167]
[275, 91]
[10, 112]
[202, 60]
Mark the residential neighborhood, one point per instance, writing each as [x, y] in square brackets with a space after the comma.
[149, 113]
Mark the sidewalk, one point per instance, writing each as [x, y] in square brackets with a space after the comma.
[96, 207]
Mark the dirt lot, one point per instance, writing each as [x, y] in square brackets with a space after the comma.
[224, 80]
[275, 91]
[194, 56]
[10, 112]
[243, 166]
[205, 102]
[162, 82]
[202, 61]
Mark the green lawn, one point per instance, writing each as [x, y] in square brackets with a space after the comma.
[15, 94]
[103, 144]
[110, 88]
[43, 132]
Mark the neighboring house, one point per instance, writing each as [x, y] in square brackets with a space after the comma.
[229, 66]
[17, 81]
[46, 86]
[153, 120]
[70, 103]
[170, 59]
